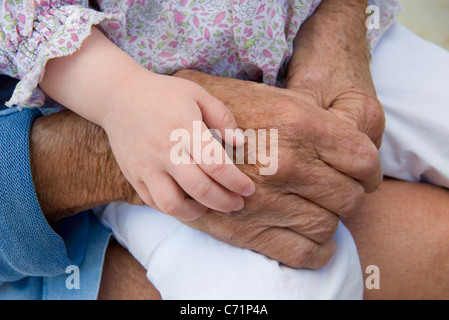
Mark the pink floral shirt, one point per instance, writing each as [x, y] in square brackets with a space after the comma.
[245, 39]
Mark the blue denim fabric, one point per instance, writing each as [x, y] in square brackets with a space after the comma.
[33, 254]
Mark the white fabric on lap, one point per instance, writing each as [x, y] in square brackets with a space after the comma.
[412, 81]
[184, 263]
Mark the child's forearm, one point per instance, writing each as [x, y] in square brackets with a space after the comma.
[90, 81]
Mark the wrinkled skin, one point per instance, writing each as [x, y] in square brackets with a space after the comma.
[330, 126]
[324, 164]
[293, 214]
[327, 120]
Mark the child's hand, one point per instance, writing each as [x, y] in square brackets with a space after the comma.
[139, 110]
[139, 126]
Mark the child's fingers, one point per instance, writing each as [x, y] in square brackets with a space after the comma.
[202, 188]
[212, 158]
[217, 116]
[171, 200]
[143, 192]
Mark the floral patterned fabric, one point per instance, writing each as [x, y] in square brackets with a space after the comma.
[245, 39]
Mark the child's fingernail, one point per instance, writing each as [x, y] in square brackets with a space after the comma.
[249, 191]
[239, 136]
[240, 206]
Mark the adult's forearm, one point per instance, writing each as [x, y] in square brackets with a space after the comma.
[339, 24]
[334, 32]
[331, 64]
[73, 166]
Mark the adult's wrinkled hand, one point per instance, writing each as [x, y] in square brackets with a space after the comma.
[325, 165]
[331, 67]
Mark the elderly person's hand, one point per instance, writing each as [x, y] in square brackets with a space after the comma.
[330, 123]
[331, 66]
[325, 165]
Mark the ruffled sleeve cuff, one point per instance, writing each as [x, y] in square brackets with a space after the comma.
[55, 33]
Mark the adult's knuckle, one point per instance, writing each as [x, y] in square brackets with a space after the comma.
[304, 256]
[322, 257]
[378, 112]
[325, 228]
[376, 119]
[374, 106]
[320, 226]
[244, 234]
[262, 239]
[351, 202]
[367, 156]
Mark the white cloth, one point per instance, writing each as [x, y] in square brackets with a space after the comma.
[184, 263]
[412, 81]
[411, 76]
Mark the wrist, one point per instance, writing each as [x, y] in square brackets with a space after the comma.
[353, 9]
[331, 45]
[133, 90]
[73, 167]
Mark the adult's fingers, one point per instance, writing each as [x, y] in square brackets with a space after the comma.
[292, 212]
[311, 221]
[292, 249]
[363, 113]
[349, 151]
[326, 188]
